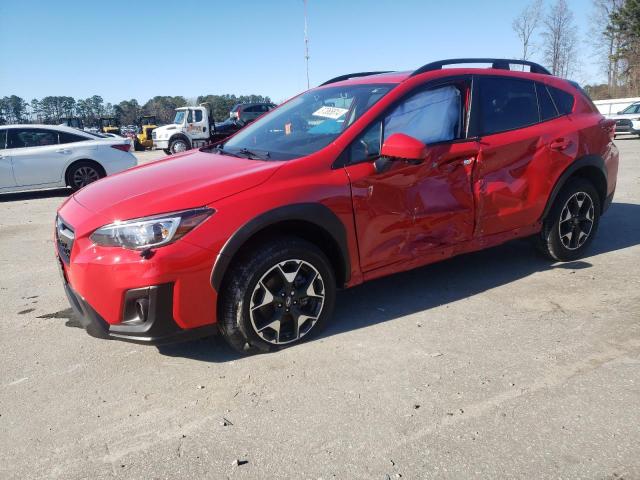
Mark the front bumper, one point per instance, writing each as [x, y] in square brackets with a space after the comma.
[158, 328]
[102, 282]
[160, 144]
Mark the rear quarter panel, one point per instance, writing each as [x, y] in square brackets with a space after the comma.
[113, 160]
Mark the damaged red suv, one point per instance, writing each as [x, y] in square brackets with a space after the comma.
[367, 175]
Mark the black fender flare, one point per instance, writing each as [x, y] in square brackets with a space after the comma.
[586, 161]
[314, 213]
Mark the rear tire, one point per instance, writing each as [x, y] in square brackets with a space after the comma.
[572, 222]
[83, 173]
[276, 296]
[137, 146]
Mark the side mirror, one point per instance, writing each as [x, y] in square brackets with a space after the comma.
[404, 147]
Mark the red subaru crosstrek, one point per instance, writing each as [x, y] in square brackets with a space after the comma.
[367, 175]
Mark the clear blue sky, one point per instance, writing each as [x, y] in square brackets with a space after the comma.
[138, 49]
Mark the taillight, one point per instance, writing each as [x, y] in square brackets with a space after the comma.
[122, 146]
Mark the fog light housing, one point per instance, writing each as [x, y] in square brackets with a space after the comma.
[137, 305]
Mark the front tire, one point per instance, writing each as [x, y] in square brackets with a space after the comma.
[83, 173]
[572, 222]
[276, 296]
[179, 145]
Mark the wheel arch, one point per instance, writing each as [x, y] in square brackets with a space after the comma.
[590, 167]
[175, 136]
[68, 168]
[313, 222]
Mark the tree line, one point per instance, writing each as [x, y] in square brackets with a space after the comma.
[52, 109]
[550, 32]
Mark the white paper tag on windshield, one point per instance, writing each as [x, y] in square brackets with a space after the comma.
[330, 112]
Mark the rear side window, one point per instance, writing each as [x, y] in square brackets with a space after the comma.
[198, 115]
[547, 107]
[507, 104]
[32, 137]
[562, 99]
[3, 139]
[66, 137]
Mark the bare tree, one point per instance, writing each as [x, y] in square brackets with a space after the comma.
[525, 25]
[607, 41]
[560, 39]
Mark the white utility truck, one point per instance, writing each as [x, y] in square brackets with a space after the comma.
[192, 127]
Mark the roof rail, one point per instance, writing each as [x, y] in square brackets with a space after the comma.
[499, 63]
[352, 75]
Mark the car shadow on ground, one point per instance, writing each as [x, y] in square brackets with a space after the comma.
[35, 194]
[434, 285]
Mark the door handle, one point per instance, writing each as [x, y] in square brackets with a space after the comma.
[452, 162]
[63, 150]
[560, 144]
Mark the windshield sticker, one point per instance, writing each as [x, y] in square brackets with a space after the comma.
[333, 113]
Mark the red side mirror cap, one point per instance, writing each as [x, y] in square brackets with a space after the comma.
[405, 147]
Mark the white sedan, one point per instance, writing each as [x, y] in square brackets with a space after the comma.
[47, 156]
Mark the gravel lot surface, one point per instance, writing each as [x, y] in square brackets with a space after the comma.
[497, 364]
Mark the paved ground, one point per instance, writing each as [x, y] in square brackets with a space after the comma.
[492, 365]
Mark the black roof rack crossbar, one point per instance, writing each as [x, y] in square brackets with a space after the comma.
[352, 75]
[499, 63]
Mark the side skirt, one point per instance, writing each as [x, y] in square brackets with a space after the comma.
[444, 253]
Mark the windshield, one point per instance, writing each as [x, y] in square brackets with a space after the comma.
[179, 117]
[635, 108]
[307, 123]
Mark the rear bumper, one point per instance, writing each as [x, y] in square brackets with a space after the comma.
[608, 201]
[158, 328]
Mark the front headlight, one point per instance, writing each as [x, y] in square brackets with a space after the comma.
[150, 232]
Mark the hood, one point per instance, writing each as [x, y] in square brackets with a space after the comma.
[166, 128]
[193, 179]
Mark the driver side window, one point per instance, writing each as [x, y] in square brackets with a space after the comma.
[431, 116]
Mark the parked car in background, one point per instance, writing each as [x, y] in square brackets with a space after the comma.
[367, 175]
[628, 120]
[248, 112]
[46, 156]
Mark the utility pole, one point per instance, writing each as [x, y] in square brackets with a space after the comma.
[306, 42]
